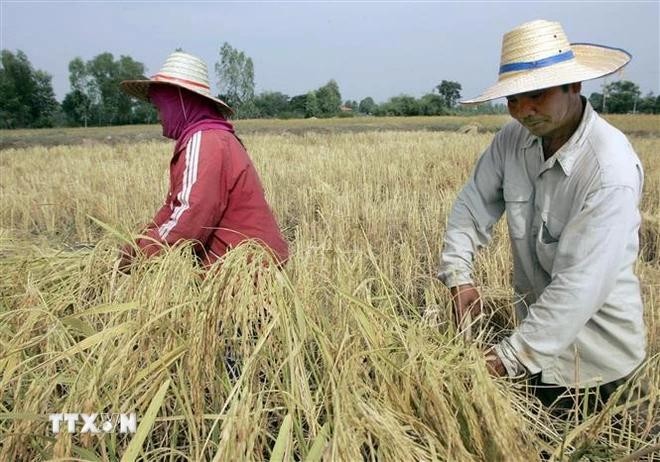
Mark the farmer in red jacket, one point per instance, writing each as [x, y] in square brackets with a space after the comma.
[215, 197]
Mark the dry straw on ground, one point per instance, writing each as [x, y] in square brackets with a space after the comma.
[346, 355]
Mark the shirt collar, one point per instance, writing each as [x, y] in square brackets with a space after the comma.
[568, 153]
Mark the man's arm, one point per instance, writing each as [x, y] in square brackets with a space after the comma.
[127, 251]
[590, 254]
[201, 200]
[477, 208]
[162, 215]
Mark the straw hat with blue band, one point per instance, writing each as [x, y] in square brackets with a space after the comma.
[181, 70]
[537, 55]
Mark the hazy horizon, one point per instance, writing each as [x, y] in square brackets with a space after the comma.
[378, 49]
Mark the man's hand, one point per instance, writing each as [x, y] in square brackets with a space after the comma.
[494, 364]
[126, 256]
[467, 301]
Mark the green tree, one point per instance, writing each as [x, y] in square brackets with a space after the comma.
[649, 104]
[622, 97]
[596, 101]
[77, 107]
[235, 72]
[16, 86]
[103, 71]
[329, 99]
[367, 106]
[26, 95]
[44, 104]
[83, 100]
[143, 112]
[271, 104]
[116, 107]
[96, 97]
[312, 108]
[484, 108]
[431, 105]
[402, 105]
[297, 105]
[128, 107]
[450, 92]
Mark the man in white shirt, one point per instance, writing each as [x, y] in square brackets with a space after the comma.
[570, 185]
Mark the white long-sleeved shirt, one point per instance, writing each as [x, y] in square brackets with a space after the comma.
[573, 223]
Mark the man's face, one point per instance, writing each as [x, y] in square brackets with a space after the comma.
[545, 112]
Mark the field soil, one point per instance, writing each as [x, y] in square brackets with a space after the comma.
[639, 125]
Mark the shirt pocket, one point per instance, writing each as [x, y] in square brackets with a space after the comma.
[550, 230]
[516, 198]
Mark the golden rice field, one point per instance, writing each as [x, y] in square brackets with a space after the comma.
[348, 354]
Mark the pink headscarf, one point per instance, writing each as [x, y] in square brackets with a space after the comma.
[183, 113]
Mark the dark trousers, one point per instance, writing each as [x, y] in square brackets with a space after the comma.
[564, 403]
[561, 401]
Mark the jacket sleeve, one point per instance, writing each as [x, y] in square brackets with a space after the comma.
[199, 201]
[161, 216]
[590, 253]
[477, 208]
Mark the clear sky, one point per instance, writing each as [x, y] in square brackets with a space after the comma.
[377, 49]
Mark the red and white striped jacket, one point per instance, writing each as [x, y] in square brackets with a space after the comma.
[216, 199]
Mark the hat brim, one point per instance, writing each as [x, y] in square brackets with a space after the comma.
[590, 62]
[140, 90]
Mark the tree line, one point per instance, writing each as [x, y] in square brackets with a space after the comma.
[624, 96]
[95, 99]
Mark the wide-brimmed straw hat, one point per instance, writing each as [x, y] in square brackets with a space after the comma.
[181, 70]
[537, 55]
